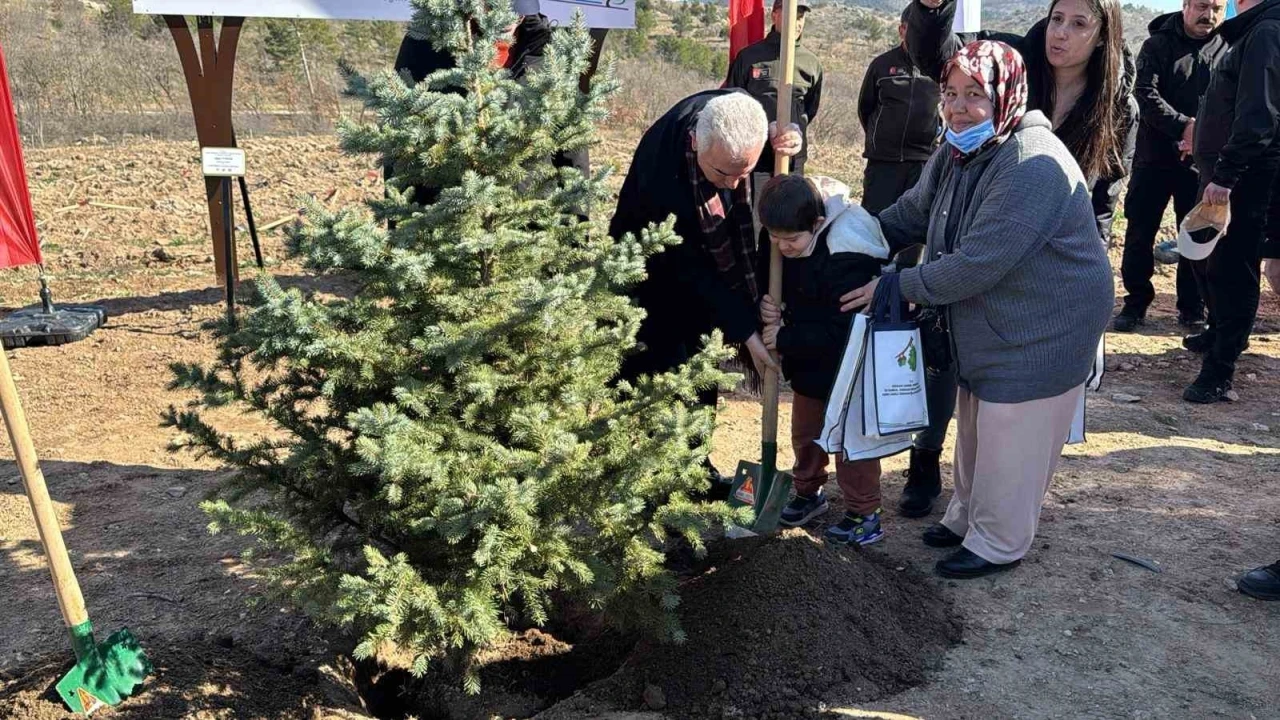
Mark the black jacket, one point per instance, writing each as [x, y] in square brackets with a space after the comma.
[528, 42]
[756, 69]
[1173, 73]
[421, 58]
[898, 109]
[811, 341]
[684, 291]
[1237, 122]
[932, 43]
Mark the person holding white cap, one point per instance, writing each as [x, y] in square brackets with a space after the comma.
[1237, 153]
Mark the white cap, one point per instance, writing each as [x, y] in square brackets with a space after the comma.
[525, 7]
[1201, 229]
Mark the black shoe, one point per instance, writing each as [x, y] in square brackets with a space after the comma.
[924, 483]
[1262, 583]
[1192, 321]
[1199, 343]
[1128, 320]
[940, 536]
[964, 565]
[1206, 391]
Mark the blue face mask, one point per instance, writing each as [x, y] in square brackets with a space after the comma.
[969, 140]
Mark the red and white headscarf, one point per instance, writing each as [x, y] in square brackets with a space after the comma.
[999, 69]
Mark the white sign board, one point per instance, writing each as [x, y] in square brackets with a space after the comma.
[598, 13]
[222, 162]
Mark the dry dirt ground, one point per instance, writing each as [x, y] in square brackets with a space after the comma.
[1073, 633]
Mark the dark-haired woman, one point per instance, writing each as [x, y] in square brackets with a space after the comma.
[1080, 75]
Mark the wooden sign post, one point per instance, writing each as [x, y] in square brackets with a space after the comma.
[209, 74]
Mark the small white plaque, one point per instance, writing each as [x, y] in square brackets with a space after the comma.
[222, 162]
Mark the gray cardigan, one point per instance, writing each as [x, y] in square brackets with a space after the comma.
[1028, 286]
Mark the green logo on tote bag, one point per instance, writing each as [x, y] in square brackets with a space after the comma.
[908, 357]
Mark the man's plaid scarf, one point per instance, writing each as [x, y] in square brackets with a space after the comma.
[730, 234]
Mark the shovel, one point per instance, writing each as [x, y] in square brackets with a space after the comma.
[106, 674]
[761, 485]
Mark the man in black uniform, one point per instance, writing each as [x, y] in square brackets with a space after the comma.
[758, 69]
[898, 109]
[1237, 151]
[1271, 247]
[1173, 72]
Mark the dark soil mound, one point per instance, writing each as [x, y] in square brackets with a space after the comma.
[781, 625]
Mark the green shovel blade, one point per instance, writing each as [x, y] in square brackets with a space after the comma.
[766, 498]
[106, 675]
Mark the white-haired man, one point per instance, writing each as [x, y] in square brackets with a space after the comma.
[694, 164]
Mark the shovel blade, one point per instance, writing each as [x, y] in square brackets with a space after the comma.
[105, 676]
[768, 507]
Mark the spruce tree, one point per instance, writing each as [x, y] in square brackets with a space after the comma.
[451, 450]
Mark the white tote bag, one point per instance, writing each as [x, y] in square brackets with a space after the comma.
[842, 391]
[862, 438]
[895, 391]
[1094, 383]
[844, 431]
[897, 374]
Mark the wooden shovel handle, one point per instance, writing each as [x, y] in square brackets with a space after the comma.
[64, 577]
[782, 166]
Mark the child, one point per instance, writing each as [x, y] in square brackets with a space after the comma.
[828, 249]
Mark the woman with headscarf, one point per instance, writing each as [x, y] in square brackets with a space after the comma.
[1080, 75]
[1013, 255]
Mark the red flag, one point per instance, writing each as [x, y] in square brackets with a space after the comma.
[746, 24]
[18, 242]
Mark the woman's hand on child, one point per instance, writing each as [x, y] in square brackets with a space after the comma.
[770, 314]
[860, 298]
[770, 336]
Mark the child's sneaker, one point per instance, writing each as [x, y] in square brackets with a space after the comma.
[804, 508]
[852, 528]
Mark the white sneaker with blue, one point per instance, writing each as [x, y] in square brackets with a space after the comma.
[853, 528]
[804, 508]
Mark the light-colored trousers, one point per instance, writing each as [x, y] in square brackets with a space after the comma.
[1006, 454]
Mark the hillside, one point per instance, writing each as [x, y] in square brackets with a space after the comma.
[95, 71]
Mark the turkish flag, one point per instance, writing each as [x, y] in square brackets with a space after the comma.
[18, 242]
[746, 24]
